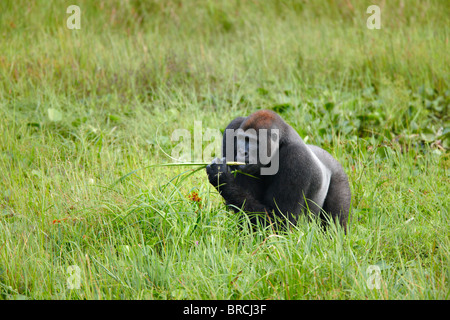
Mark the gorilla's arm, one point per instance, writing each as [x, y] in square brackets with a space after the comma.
[290, 191]
[238, 190]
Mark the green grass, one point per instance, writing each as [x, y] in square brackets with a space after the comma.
[79, 109]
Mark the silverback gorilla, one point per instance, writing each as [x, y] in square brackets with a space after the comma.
[279, 177]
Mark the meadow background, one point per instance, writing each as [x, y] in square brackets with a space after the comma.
[80, 109]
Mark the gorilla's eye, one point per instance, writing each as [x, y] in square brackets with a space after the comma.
[247, 147]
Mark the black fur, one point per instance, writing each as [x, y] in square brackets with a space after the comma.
[282, 196]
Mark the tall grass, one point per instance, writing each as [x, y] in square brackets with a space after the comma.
[79, 109]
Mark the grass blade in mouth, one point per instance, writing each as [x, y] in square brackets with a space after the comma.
[183, 164]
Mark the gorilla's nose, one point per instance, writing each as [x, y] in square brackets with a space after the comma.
[242, 156]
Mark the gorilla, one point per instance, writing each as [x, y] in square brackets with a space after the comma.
[274, 177]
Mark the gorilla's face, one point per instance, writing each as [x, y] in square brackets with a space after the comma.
[257, 149]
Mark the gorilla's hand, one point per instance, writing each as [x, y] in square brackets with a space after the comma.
[216, 171]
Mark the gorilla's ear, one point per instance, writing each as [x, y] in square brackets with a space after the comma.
[269, 145]
[274, 140]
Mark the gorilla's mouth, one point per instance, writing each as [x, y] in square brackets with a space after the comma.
[250, 168]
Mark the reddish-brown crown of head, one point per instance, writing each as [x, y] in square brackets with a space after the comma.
[262, 119]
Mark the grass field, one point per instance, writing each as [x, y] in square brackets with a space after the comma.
[80, 109]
